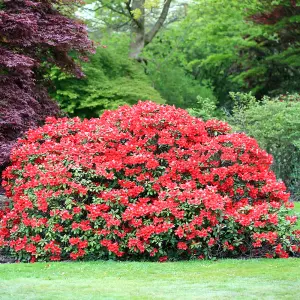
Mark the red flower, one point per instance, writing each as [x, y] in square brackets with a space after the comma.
[211, 242]
[83, 244]
[74, 241]
[163, 259]
[182, 246]
[65, 215]
[76, 210]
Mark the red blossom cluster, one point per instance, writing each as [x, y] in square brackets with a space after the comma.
[143, 182]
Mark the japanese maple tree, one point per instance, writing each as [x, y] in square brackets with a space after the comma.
[33, 36]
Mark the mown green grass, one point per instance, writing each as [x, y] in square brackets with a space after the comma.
[224, 279]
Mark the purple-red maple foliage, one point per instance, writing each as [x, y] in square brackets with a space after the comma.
[34, 35]
[276, 12]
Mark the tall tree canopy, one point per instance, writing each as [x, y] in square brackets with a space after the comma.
[34, 35]
[234, 46]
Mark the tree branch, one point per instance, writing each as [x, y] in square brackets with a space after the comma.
[129, 9]
[90, 9]
[120, 12]
[152, 33]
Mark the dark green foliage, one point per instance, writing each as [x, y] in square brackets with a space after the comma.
[272, 64]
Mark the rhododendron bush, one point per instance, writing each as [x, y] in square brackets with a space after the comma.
[143, 182]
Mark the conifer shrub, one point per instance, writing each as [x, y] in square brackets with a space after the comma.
[148, 182]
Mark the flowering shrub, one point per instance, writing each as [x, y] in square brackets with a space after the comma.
[143, 182]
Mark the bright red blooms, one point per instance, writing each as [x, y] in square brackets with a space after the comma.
[143, 182]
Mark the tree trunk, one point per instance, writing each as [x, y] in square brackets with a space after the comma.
[159, 23]
[137, 30]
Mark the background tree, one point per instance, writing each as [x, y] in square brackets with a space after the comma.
[231, 46]
[205, 46]
[272, 64]
[34, 35]
[142, 18]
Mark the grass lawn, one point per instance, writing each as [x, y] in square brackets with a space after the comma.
[224, 279]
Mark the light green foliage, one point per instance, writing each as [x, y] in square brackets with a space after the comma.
[216, 27]
[224, 279]
[167, 76]
[275, 124]
[176, 86]
[149, 4]
[218, 33]
[206, 109]
[111, 79]
[137, 13]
